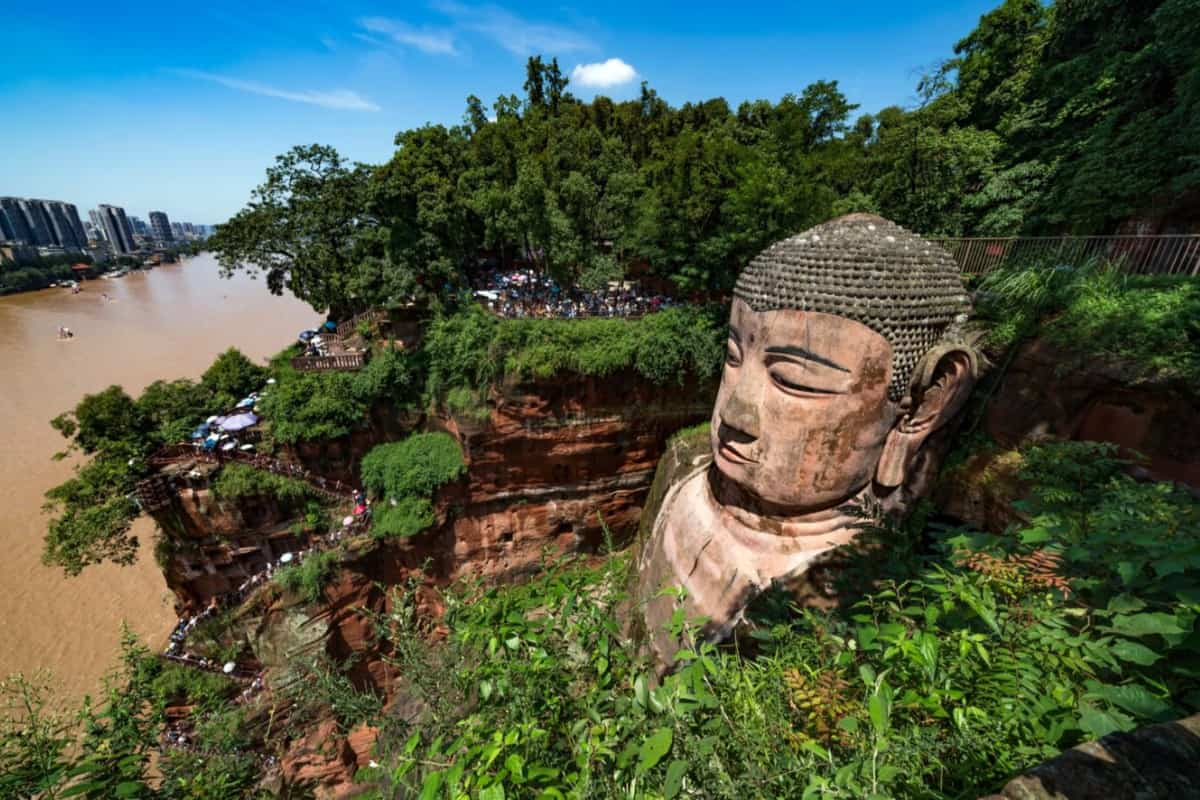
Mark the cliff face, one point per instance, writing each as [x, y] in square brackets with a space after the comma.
[549, 467]
[556, 462]
[1048, 391]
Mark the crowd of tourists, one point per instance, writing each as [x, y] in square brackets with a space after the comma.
[518, 294]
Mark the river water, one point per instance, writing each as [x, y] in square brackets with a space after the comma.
[167, 323]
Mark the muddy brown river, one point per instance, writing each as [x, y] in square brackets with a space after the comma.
[168, 323]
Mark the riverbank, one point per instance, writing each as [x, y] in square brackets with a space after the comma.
[169, 322]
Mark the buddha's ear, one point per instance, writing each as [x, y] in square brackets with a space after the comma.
[940, 386]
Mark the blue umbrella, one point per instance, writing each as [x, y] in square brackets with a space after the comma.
[238, 422]
[245, 402]
[200, 432]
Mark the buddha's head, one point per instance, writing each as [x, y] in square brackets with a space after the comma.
[838, 364]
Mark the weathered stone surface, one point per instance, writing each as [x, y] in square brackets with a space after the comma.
[284, 634]
[323, 759]
[1156, 762]
[982, 489]
[557, 462]
[1049, 391]
[843, 359]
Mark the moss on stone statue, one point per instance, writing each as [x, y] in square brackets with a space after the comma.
[686, 450]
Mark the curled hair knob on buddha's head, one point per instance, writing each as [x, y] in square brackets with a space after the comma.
[868, 269]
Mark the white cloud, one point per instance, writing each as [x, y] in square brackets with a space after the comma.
[339, 99]
[427, 40]
[603, 74]
[519, 36]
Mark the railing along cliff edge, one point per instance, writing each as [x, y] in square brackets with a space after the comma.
[1172, 254]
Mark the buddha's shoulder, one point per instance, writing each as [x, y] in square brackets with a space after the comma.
[687, 455]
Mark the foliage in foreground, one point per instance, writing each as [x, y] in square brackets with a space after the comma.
[1149, 322]
[967, 662]
[106, 751]
[404, 476]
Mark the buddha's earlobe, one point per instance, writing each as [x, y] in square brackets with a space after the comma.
[942, 382]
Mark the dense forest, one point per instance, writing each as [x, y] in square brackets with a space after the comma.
[1061, 118]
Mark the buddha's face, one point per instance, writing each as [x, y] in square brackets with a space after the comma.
[802, 413]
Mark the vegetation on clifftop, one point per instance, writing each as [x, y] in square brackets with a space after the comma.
[473, 348]
[1151, 323]
[1046, 118]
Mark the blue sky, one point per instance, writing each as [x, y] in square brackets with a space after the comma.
[182, 107]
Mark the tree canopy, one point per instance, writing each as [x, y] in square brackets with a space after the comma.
[1067, 117]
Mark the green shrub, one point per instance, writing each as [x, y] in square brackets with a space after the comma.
[473, 348]
[242, 480]
[308, 578]
[965, 664]
[416, 466]
[408, 517]
[177, 684]
[231, 377]
[1152, 322]
[404, 476]
[309, 406]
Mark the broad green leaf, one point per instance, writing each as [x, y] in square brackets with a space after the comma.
[1135, 699]
[1128, 650]
[1146, 624]
[1097, 723]
[431, 786]
[493, 792]
[675, 772]
[1125, 604]
[657, 745]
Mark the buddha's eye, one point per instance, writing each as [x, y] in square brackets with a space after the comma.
[733, 354]
[794, 387]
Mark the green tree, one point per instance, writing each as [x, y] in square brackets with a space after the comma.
[307, 228]
[231, 377]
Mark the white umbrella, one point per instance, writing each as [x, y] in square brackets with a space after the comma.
[212, 419]
[347, 522]
[285, 558]
[229, 667]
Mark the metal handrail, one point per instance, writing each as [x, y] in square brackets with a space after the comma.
[1169, 254]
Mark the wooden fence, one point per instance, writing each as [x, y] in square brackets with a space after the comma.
[350, 326]
[151, 490]
[336, 361]
[1167, 254]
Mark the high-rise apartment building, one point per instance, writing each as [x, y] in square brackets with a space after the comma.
[161, 227]
[117, 229]
[97, 226]
[39, 222]
[14, 215]
[63, 220]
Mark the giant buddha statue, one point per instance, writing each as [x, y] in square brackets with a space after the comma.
[841, 362]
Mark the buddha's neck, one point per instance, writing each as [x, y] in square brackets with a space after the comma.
[759, 518]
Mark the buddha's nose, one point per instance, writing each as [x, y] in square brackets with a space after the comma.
[740, 411]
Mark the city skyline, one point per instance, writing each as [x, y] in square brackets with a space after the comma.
[186, 112]
[57, 225]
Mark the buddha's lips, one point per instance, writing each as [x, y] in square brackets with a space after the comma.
[731, 453]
